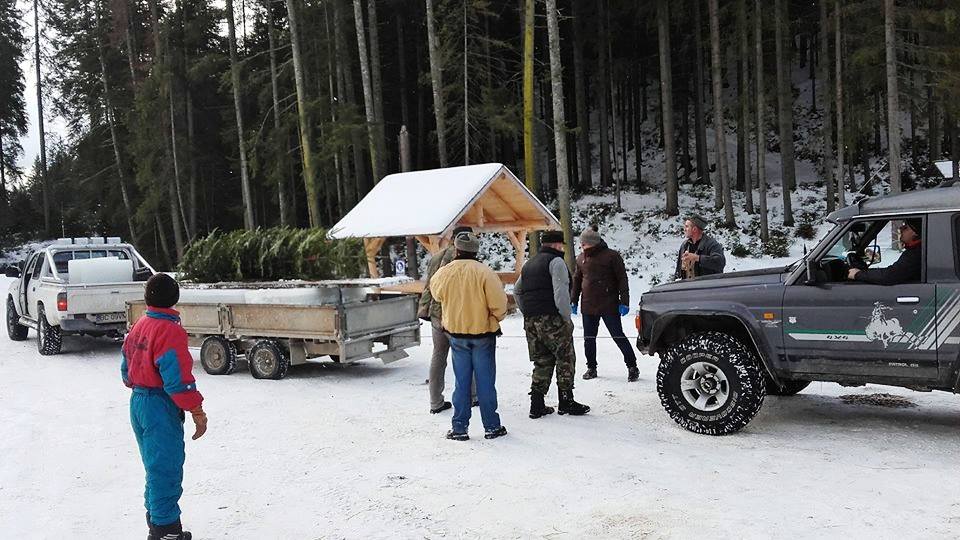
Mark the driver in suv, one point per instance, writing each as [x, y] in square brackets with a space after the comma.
[907, 268]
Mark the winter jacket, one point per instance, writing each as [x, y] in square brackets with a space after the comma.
[543, 287]
[601, 280]
[711, 261]
[472, 296]
[155, 355]
[430, 308]
[908, 268]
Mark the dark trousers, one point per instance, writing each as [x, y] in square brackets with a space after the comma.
[591, 323]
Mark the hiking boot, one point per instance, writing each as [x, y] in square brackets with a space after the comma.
[537, 408]
[499, 432]
[455, 436]
[173, 531]
[633, 374]
[591, 373]
[476, 403]
[569, 406]
[446, 405]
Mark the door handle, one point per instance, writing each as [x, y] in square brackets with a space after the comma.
[908, 300]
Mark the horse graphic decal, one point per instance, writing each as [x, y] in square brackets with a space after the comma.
[885, 330]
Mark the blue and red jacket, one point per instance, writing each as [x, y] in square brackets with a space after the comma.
[155, 355]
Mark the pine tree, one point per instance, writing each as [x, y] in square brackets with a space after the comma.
[13, 115]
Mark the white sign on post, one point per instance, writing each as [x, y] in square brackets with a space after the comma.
[400, 267]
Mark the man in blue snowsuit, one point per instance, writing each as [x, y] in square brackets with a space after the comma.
[157, 367]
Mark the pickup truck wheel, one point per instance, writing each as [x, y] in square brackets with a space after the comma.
[710, 383]
[786, 388]
[49, 338]
[267, 359]
[218, 355]
[15, 330]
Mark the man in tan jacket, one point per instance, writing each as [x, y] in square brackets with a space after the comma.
[473, 306]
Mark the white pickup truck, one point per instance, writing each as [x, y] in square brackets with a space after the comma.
[75, 286]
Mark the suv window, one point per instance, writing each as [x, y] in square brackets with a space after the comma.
[38, 265]
[869, 241]
[956, 242]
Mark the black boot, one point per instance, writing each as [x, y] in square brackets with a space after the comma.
[537, 408]
[633, 374]
[173, 531]
[591, 373]
[569, 406]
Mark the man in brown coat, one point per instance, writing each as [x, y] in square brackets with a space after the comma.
[601, 281]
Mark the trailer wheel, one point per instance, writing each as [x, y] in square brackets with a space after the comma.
[218, 355]
[49, 338]
[268, 360]
[15, 330]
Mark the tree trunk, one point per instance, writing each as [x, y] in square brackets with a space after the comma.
[374, 142]
[933, 124]
[277, 135]
[376, 72]
[529, 171]
[893, 96]
[191, 152]
[826, 133]
[580, 90]
[721, 137]
[761, 126]
[45, 189]
[176, 166]
[560, 130]
[603, 94]
[785, 114]
[745, 103]
[248, 220]
[436, 81]
[3, 179]
[700, 121]
[838, 46]
[303, 114]
[666, 102]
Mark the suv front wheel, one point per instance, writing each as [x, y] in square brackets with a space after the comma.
[711, 383]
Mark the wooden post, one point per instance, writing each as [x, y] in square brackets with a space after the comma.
[371, 246]
[517, 238]
[413, 267]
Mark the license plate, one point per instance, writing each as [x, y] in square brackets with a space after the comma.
[110, 317]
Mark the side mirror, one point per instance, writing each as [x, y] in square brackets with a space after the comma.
[811, 274]
[12, 272]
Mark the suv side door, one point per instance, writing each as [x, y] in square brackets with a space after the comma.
[945, 271]
[31, 280]
[843, 328]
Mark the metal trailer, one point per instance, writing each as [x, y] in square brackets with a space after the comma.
[354, 324]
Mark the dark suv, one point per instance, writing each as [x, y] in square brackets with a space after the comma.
[726, 341]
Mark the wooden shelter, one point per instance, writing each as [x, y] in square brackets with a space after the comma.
[428, 205]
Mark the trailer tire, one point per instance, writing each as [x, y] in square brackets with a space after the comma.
[49, 337]
[711, 383]
[15, 330]
[218, 355]
[267, 359]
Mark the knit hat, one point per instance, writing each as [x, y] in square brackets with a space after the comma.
[590, 237]
[461, 228]
[467, 242]
[161, 291]
[698, 221]
[916, 224]
[551, 237]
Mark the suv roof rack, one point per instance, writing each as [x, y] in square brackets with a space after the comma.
[87, 240]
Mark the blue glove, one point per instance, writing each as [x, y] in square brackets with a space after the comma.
[573, 308]
[623, 310]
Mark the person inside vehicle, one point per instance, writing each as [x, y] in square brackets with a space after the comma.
[908, 267]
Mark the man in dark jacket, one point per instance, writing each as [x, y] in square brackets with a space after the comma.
[908, 267]
[543, 296]
[699, 255]
[600, 280]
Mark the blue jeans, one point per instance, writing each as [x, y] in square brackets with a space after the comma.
[475, 358]
[591, 324]
[158, 427]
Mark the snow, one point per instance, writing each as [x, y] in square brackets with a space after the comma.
[428, 201]
[351, 452]
[945, 168]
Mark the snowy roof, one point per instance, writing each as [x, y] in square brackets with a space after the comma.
[945, 168]
[488, 197]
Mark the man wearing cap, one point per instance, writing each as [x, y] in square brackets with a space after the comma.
[908, 267]
[156, 366]
[430, 310]
[700, 254]
[600, 286]
[543, 296]
[473, 306]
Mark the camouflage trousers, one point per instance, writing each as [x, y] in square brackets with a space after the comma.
[550, 344]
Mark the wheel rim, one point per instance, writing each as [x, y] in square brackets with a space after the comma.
[704, 386]
[265, 361]
[216, 356]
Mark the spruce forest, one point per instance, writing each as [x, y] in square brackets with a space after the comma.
[188, 116]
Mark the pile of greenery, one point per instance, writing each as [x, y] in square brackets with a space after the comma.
[272, 254]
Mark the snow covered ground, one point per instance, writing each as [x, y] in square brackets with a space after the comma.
[351, 452]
